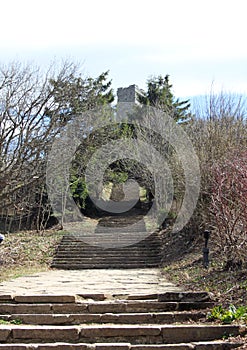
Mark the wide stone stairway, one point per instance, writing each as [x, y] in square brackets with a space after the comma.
[97, 321]
[110, 246]
[106, 317]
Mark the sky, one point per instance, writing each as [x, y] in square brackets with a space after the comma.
[199, 43]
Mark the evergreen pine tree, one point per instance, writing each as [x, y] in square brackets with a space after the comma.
[159, 94]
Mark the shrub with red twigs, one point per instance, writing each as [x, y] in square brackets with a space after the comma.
[229, 208]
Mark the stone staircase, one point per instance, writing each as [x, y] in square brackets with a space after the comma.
[106, 322]
[74, 253]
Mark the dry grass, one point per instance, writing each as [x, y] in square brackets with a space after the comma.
[227, 287]
[27, 252]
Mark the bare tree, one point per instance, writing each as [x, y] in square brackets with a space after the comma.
[34, 106]
[218, 132]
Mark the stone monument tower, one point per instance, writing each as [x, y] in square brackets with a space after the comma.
[127, 98]
[128, 94]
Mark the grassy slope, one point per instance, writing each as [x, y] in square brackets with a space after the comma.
[187, 271]
[27, 252]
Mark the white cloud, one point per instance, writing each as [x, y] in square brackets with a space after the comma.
[190, 40]
[47, 23]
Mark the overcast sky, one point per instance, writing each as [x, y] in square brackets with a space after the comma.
[196, 42]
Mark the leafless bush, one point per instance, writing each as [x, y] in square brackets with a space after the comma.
[219, 134]
[229, 207]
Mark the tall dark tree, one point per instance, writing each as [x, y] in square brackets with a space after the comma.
[76, 94]
[159, 94]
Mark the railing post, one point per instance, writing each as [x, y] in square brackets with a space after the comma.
[206, 250]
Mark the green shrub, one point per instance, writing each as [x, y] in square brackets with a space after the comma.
[229, 315]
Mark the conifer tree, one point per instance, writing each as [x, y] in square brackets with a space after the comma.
[159, 94]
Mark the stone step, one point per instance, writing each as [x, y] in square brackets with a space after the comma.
[122, 221]
[110, 298]
[74, 253]
[146, 236]
[105, 263]
[105, 259]
[109, 265]
[110, 234]
[149, 334]
[120, 229]
[208, 345]
[98, 248]
[90, 253]
[143, 238]
[101, 307]
[57, 298]
[124, 318]
[125, 225]
[95, 250]
[96, 239]
[99, 255]
[96, 245]
[94, 260]
[101, 321]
